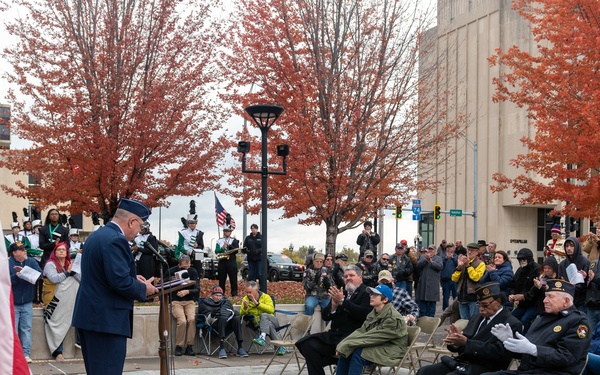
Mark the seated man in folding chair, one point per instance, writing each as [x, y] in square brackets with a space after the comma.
[219, 308]
[478, 349]
[347, 311]
[382, 339]
[557, 341]
[260, 305]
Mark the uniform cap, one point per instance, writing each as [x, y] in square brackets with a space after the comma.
[342, 256]
[489, 290]
[135, 207]
[558, 285]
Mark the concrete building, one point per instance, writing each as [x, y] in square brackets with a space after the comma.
[468, 32]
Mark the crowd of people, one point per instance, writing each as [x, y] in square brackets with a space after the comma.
[546, 315]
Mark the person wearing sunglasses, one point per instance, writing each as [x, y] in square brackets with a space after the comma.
[370, 269]
[478, 350]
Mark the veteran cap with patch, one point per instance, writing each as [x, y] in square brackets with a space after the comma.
[489, 290]
[558, 285]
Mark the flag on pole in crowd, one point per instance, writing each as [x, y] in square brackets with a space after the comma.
[222, 215]
[12, 359]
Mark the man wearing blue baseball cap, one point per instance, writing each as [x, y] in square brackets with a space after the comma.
[382, 339]
[109, 285]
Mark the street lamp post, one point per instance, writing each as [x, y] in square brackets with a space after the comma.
[264, 116]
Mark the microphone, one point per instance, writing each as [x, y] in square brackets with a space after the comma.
[148, 246]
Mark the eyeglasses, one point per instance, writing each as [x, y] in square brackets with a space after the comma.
[373, 295]
[485, 305]
[369, 256]
[385, 258]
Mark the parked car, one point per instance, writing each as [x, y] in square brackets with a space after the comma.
[206, 267]
[210, 268]
[280, 267]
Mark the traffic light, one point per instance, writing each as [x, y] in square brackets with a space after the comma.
[437, 212]
[398, 212]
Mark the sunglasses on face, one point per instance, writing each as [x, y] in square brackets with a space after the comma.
[369, 256]
[385, 258]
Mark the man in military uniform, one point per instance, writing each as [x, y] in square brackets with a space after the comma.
[477, 348]
[558, 340]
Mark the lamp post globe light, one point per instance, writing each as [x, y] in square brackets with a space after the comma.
[264, 116]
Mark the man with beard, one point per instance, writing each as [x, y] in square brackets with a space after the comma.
[522, 283]
[347, 312]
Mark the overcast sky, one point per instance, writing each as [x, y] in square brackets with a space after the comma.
[281, 232]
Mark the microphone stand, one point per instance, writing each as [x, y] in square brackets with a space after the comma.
[165, 310]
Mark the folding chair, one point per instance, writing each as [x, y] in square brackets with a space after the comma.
[301, 324]
[206, 331]
[443, 349]
[253, 329]
[413, 334]
[428, 326]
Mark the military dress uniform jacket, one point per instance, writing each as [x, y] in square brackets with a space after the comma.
[483, 350]
[108, 284]
[562, 342]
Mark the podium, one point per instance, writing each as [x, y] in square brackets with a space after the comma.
[164, 320]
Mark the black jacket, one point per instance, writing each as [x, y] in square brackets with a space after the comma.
[523, 280]
[223, 308]
[562, 342]
[582, 263]
[47, 243]
[483, 350]
[254, 247]
[350, 315]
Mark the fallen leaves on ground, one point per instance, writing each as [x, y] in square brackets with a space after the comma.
[284, 292]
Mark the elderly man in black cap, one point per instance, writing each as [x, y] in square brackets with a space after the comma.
[478, 349]
[109, 285]
[558, 340]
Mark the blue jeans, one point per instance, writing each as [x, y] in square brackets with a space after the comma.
[311, 302]
[426, 308]
[448, 288]
[593, 365]
[525, 315]
[467, 309]
[401, 285]
[353, 365]
[409, 288]
[254, 270]
[593, 316]
[23, 318]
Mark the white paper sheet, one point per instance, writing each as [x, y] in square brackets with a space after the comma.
[574, 276]
[29, 274]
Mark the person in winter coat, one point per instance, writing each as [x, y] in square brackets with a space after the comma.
[593, 364]
[574, 256]
[316, 283]
[501, 272]
[382, 339]
[538, 290]
[367, 240]
[523, 299]
[467, 275]
[427, 294]
[253, 246]
[449, 287]
[218, 308]
[370, 268]
[402, 267]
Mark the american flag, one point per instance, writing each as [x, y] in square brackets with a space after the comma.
[222, 214]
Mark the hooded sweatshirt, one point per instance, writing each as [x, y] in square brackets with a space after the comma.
[582, 263]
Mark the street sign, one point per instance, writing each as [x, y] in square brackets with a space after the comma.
[456, 213]
[416, 208]
[417, 217]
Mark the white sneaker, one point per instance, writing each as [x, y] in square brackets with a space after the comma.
[28, 359]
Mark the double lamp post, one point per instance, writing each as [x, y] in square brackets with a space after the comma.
[264, 116]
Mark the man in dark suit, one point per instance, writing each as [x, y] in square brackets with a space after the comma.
[109, 285]
[347, 311]
[478, 349]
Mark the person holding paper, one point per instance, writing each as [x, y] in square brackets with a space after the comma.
[577, 277]
[58, 314]
[109, 285]
[24, 272]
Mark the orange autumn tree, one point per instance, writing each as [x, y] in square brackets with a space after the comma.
[347, 75]
[559, 86]
[114, 99]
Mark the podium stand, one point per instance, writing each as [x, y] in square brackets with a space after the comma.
[164, 320]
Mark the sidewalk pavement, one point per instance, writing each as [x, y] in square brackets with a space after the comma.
[255, 364]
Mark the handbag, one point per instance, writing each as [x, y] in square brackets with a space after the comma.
[458, 366]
